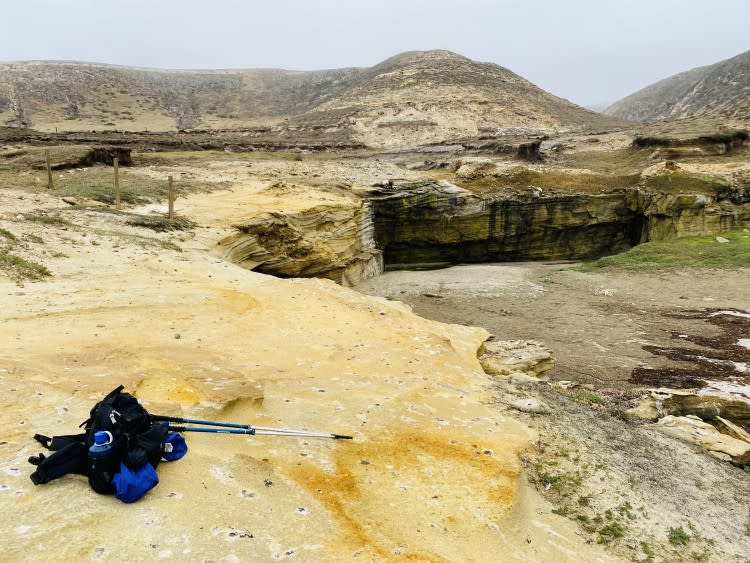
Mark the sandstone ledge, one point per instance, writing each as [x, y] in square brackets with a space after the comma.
[432, 472]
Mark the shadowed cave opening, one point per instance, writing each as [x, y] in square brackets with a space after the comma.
[422, 237]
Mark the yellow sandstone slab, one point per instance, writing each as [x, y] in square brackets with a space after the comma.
[431, 474]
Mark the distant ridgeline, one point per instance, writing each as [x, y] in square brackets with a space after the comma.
[412, 98]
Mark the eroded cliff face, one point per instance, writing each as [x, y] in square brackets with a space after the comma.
[348, 239]
[328, 241]
[430, 223]
[684, 215]
[433, 223]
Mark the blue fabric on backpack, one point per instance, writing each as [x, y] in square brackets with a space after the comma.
[132, 484]
[175, 447]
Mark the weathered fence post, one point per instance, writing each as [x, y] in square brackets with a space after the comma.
[171, 199]
[116, 162]
[49, 170]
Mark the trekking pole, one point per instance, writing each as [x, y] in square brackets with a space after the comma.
[247, 428]
[235, 425]
[261, 432]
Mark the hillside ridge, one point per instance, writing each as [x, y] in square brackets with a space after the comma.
[411, 98]
[721, 89]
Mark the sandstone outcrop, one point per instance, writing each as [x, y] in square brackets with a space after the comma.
[708, 407]
[507, 358]
[715, 421]
[328, 241]
[432, 223]
[692, 429]
[431, 474]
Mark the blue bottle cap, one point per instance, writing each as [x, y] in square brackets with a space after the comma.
[102, 438]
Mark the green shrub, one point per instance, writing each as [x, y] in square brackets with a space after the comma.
[587, 397]
[678, 536]
[55, 220]
[610, 532]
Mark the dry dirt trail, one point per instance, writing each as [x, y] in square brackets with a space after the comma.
[432, 472]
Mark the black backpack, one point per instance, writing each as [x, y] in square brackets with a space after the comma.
[136, 440]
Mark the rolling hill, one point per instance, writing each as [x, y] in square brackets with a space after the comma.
[413, 98]
[721, 89]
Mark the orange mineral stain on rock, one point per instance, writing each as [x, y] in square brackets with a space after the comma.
[435, 494]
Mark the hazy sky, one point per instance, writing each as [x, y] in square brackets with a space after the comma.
[589, 51]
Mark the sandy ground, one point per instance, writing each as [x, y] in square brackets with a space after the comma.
[596, 323]
[588, 459]
[433, 472]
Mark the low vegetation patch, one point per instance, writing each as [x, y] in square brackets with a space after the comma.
[169, 157]
[143, 242]
[587, 397]
[521, 178]
[97, 183]
[678, 536]
[618, 162]
[33, 238]
[725, 136]
[34, 157]
[7, 235]
[54, 220]
[688, 252]
[19, 268]
[679, 182]
[104, 194]
[611, 531]
[159, 223]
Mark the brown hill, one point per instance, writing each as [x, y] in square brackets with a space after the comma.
[412, 98]
[428, 96]
[722, 90]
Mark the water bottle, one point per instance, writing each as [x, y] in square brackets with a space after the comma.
[103, 463]
[102, 445]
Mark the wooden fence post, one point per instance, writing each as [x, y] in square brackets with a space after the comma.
[171, 199]
[49, 170]
[117, 182]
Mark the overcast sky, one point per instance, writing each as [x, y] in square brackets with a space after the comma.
[588, 51]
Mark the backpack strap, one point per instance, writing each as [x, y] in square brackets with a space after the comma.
[58, 442]
[71, 458]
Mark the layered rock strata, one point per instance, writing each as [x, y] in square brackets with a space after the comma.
[709, 145]
[426, 223]
[718, 422]
[432, 223]
[331, 241]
